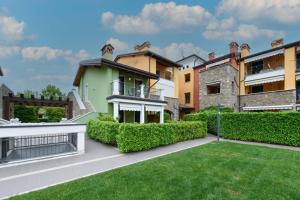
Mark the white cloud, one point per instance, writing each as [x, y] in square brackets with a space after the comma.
[8, 51]
[11, 29]
[176, 51]
[228, 29]
[157, 17]
[117, 44]
[52, 78]
[74, 59]
[285, 11]
[37, 53]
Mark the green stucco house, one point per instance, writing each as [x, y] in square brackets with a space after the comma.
[118, 89]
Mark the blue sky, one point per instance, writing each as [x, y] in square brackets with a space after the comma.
[42, 41]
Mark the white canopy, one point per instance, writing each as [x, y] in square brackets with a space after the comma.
[265, 55]
[275, 107]
[153, 108]
[130, 107]
[265, 77]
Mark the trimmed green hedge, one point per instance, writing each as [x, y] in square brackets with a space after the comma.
[103, 131]
[106, 117]
[268, 127]
[54, 114]
[209, 117]
[139, 137]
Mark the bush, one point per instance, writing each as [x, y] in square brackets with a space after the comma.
[139, 137]
[26, 113]
[103, 131]
[268, 127]
[214, 108]
[105, 117]
[167, 117]
[54, 114]
[209, 117]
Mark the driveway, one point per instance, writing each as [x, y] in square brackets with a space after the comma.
[98, 158]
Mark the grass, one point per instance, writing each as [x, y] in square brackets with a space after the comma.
[212, 171]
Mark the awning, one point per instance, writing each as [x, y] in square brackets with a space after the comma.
[275, 107]
[265, 77]
[266, 55]
[153, 108]
[130, 107]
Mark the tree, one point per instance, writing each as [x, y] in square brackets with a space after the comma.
[51, 91]
[27, 93]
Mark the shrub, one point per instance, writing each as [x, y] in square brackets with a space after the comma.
[54, 114]
[105, 117]
[103, 131]
[167, 117]
[214, 108]
[139, 137]
[268, 127]
[209, 117]
[26, 113]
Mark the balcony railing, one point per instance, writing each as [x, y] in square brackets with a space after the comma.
[265, 76]
[131, 90]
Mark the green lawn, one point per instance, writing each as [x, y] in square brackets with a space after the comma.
[213, 171]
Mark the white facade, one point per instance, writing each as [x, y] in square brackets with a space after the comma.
[190, 62]
[167, 86]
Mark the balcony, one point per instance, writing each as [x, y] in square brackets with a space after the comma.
[136, 91]
[265, 76]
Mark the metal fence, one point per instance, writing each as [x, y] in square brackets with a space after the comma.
[28, 147]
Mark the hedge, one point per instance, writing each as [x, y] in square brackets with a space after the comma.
[54, 114]
[139, 137]
[105, 117]
[209, 117]
[103, 131]
[268, 127]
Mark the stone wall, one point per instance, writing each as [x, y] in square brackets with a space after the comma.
[282, 97]
[227, 76]
[4, 91]
[172, 106]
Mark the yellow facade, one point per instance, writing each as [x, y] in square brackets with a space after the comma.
[290, 68]
[186, 87]
[151, 64]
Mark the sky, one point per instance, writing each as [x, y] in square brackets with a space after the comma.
[42, 41]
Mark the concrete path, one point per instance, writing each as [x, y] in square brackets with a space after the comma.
[98, 158]
[277, 146]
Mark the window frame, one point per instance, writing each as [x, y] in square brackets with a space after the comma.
[257, 70]
[257, 86]
[187, 94]
[217, 88]
[189, 77]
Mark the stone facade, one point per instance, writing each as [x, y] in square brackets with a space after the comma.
[282, 97]
[227, 76]
[173, 107]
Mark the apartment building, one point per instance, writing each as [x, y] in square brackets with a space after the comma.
[270, 80]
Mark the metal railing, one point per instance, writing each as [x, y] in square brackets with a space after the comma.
[28, 147]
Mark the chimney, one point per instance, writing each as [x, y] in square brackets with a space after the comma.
[211, 56]
[233, 47]
[277, 43]
[107, 52]
[142, 47]
[245, 50]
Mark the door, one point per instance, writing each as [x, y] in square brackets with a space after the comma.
[137, 86]
[121, 85]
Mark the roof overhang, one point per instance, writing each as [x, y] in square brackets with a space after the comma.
[267, 77]
[274, 107]
[104, 62]
[221, 62]
[265, 55]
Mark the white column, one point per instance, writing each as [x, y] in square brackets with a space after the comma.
[80, 142]
[161, 97]
[142, 114]
[142, 91]
[161, 115]
[116, 88]
[116, 110]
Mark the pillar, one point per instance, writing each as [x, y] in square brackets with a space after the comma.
[116, 110]
[80, 142]
[142, 91]
[142, 114]
[161, 115]
[116, 89]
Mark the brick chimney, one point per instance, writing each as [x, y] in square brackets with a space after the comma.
[245, 50]
[233, 47]
[277, 43]
[211, 56]
[142, 47]
[107, 52]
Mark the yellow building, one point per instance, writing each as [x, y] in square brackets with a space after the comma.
[269, 79]
[144, 59]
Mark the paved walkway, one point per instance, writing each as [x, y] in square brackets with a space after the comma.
[277, 146]
[98, 158]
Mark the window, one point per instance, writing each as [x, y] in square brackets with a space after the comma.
[298, 61]
[187, 77]
[257, 89]
[256, 67]
[213, 89]
[158, 72]
[187, 98]
[168, 75]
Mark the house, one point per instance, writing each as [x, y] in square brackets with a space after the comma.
[119, 89]
[217, 80]
[270, 80]
[187, 84]
[144, 59]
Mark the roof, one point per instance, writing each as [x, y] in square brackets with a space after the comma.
[192, 55]
[230, 55]
[272, 49]
[152, 54]
[99, 62]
